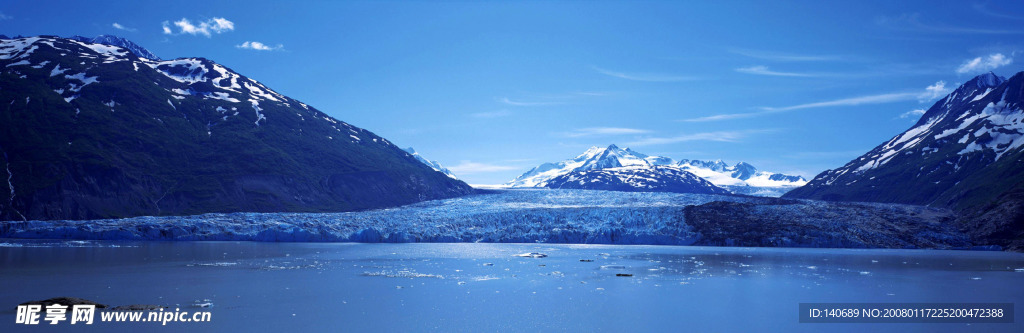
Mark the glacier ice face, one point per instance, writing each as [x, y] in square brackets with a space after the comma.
[549, 216]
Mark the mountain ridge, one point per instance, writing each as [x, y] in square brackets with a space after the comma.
[95, 131]
[965, 153]
[742, 178]
[112, 40]
[431, 163]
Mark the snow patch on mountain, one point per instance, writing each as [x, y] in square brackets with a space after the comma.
[127, 45]
[432, 164]
[716, 172]
[635, 178]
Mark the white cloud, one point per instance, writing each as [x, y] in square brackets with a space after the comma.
[118, 26]
[206, 28]
[723, 136]
[763, 70]
[646, 77]
[5, 17]
[604, 131]
[221, 24]
[983, 64]
[912, 113]
[259, 46]
[470, 167]
[934, 92]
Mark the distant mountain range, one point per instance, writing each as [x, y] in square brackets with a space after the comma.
[432, 164]
[741, 178]
[101, 128]
[965, 153]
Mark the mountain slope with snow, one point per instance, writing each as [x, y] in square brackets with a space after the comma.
[111, 40]
[635, 178]
[742, 178]
[93, 130]
[432, 164]
[973, 127]
[964, 153]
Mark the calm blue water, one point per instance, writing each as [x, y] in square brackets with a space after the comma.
[485, 287]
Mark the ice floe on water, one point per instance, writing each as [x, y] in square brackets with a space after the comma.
[403, 274]
[203, 303]
[216, 264]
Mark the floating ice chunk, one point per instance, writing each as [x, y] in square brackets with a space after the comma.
[218, 264]
[532, 255]
[403, 274]
[206, 303]
[485, 278]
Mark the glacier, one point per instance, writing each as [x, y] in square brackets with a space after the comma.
[551, 216]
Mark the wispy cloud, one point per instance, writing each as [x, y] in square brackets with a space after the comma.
[118, 26]
[5, 16]
[646, 77]
[930, 93]
[984, 64]
[730, 116]
[721, 136]
[259, 46]
[595, 131]
[206, 28]
[763, 70]
[826, 154]
[508, 101]
[912, 114]
[776, 56]
[983, 8]
[491, 114]
[594, 93]
[470, 167]
[912, 22]
[871, 99]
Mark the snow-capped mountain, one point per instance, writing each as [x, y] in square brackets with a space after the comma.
[742, 178]
[432, 164]
[964, 153]
[637, 178]
[136, 49]
[94, 130]
[741, 174]
[978, 124]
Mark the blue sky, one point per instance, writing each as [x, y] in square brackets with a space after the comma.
[491, 89]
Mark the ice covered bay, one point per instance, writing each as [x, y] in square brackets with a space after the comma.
[260, 286]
